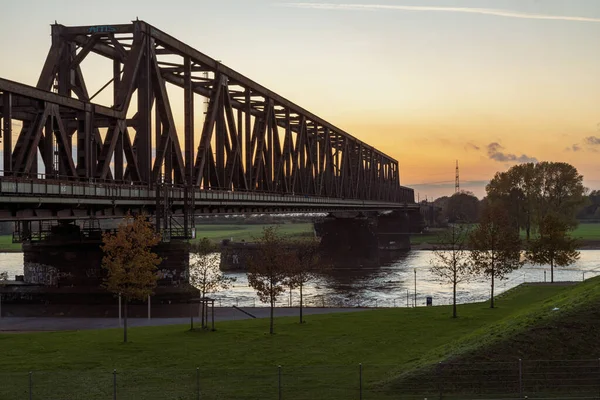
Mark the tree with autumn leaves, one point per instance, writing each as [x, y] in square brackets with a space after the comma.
[130, 262]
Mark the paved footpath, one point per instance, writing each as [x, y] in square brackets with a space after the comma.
[35, 324]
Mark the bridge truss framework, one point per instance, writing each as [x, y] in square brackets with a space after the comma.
[252, 140]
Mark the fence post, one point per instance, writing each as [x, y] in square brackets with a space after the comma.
[439, 379]
[520, 378]
[279, 381]
[198, 382]
[360, 380]
[30, 385]
[114, 384]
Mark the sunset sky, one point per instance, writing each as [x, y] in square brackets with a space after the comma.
[488, 82]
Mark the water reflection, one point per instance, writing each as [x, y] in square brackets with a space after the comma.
[391, 283]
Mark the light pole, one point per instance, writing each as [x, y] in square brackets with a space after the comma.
[415, 287]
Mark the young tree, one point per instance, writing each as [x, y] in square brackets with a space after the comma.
[450, 261]
[3, 279]
[495, 247]
[305, 267]
[130, 262]
[553, 246]
[268, 268]
[205, 274]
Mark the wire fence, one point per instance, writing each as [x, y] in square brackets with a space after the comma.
[519, 379]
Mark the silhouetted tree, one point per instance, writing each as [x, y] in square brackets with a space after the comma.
[305, 267]
[553, 245]
[130, 262]
[495, 247]
[531, 191]
[205, 273]
[268, 268]
[463, 207]
[451, 262]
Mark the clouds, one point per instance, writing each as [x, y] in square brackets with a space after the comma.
[471, 146]
[590, 143]
[467, 10]
[495, 152]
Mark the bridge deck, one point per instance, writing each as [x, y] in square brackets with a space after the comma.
[22, 199]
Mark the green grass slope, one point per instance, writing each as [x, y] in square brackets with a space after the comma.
[559, 339]
[319, 359]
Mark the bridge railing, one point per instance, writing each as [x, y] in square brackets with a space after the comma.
[59, 185]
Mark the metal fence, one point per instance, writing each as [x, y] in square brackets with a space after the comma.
[573, 379]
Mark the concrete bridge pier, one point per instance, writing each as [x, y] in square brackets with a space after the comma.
[63, 265]
[364, 236]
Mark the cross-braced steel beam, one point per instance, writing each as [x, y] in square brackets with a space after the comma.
[250, 138]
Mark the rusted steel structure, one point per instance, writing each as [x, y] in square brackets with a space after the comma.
[251, 140]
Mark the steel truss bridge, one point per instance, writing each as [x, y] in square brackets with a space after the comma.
[256, 151]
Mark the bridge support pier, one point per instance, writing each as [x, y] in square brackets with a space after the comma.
[63, 265]
[365, 238]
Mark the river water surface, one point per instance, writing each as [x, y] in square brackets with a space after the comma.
[391, 284]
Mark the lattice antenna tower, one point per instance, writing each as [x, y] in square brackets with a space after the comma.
[457, 180]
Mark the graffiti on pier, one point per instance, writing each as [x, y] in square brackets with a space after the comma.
[174, 275]
[40, 274]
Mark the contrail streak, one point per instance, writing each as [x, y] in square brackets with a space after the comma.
[467, 10]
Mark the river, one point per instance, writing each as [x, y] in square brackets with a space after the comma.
[384, 286]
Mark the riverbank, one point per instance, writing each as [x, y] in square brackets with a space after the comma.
[319, 359]
[584, 244]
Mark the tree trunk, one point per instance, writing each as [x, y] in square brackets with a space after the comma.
[271, 324]
[125, 321]
[551, 271]
[301, 321]
[454, 300]
[202, 324]
[492, 292]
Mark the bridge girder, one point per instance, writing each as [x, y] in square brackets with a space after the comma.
[251, 138]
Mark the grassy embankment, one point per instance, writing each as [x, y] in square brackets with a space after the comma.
[215, 232]
[586, 233]
[320, 359]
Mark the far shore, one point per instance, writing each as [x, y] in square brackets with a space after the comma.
[584, 245]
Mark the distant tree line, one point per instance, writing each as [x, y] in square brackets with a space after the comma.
[590, 211]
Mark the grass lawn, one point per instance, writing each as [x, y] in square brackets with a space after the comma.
[319, 359]
[218, 232]
[587, 231]
[6, 244]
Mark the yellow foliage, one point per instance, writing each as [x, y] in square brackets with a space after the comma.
[129, 259]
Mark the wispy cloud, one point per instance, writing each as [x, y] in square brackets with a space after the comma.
[466, 10]
[471, 146]
[574, 148]
[495, 153]
[592, 140]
